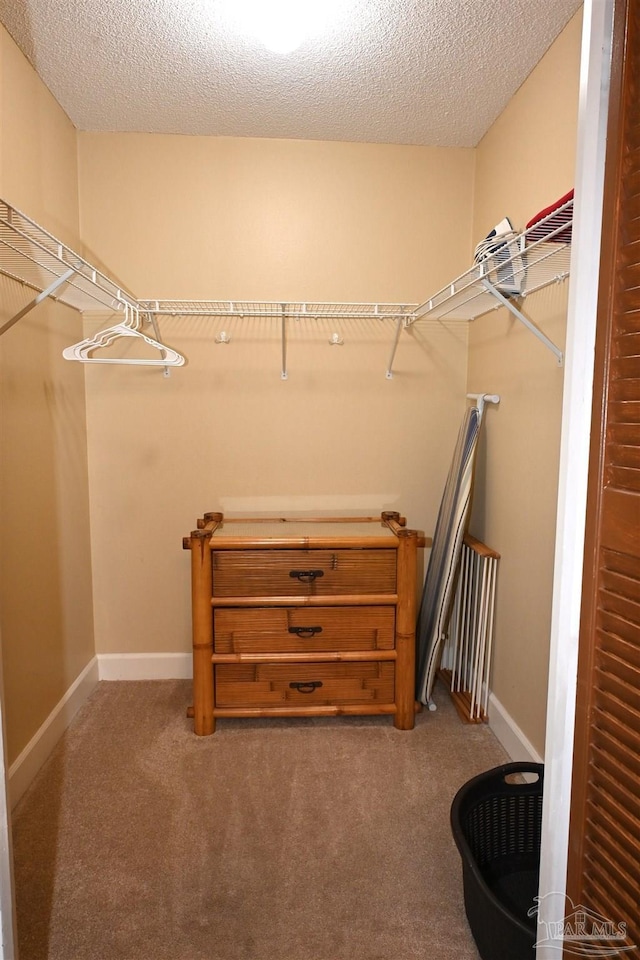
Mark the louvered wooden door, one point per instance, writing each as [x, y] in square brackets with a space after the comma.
[604, 849]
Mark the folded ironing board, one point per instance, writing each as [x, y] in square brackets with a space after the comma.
[439, 584]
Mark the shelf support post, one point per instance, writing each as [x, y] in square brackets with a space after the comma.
[524, 320]
[283, 374]
[152, 319]
[396, 339]
[58, 282]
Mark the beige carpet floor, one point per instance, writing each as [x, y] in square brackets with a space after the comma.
[319, 839]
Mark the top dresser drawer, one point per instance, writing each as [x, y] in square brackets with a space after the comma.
[303, 573]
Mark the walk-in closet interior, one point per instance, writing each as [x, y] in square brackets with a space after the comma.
[281, 408]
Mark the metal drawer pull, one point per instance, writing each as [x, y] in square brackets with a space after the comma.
[306, 576]
[305, 686]
[305, 631]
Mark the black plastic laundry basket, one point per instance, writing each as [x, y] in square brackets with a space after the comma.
[496, 824]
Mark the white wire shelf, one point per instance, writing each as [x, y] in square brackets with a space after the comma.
[35, 258]
[297, 310]
[511, 270]
[517, 268]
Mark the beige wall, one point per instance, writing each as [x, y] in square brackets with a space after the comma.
[258, 219]
[45, 582]
[524, 162]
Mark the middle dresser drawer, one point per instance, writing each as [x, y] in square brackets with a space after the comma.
[303, 573]
[302, 629]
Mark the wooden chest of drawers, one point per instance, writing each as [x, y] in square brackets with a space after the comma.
[303, 618]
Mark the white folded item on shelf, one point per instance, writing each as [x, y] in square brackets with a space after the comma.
[500, 254]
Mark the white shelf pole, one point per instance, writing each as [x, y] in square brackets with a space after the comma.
[284, 375]
[521, 317]
[58, 282]
[151, 317]
[399, 326]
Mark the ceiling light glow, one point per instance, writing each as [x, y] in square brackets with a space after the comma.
[283, 25]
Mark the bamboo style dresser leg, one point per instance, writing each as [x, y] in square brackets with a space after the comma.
[201, 587]
[407, 571]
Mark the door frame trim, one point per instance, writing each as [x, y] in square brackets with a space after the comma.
[595, 72]
[8, 931]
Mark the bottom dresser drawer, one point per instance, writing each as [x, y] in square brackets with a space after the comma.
[304, 684]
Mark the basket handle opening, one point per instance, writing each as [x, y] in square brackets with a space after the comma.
[521, 777]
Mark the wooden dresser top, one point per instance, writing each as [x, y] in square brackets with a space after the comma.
[302, 533]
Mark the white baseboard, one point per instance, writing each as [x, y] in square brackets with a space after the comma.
[509, 733]
[24, 768]
[145, 666]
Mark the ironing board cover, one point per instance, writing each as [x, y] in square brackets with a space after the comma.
[446, 548]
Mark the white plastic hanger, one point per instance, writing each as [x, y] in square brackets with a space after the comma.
[83, 350]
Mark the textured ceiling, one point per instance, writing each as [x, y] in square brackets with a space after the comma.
[395, 71]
